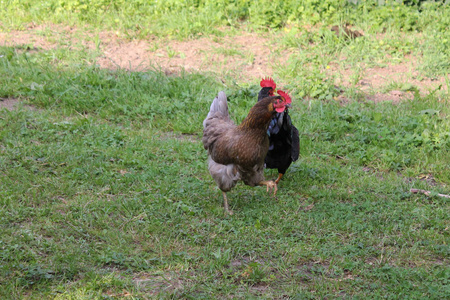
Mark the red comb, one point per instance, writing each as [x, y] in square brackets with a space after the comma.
[268, 82]
[286, 96]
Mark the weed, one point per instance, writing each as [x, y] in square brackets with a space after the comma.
[170, 52]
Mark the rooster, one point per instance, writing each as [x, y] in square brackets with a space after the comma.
[283, 135]
[268, 87]
[237, 152]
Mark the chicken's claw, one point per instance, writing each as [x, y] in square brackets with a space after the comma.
[270, 185]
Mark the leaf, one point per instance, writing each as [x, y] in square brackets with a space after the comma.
[258, 224]
[377, 116]
[36, 86]
[429, 112]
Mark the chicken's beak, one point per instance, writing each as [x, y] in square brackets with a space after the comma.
[288, 105]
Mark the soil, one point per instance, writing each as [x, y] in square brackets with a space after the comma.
[246, 57]
[12, 104]
[375, 79]
[9, 103]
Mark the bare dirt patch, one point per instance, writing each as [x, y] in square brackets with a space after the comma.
[12, 104]
[243, 57]
[8, 103]
[156, 284]
[394, 96]
[29, 37]
[246, 57]
[400, 79]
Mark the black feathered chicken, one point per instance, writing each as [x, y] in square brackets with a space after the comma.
[284, 141]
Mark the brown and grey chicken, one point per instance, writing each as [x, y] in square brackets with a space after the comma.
[237, 152]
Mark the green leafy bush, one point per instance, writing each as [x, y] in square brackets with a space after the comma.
[189, 18]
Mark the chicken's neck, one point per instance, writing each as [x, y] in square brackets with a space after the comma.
[257, 120]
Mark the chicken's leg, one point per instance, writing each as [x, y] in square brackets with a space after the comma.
[270, 185]
[225, 204]
[279, 177]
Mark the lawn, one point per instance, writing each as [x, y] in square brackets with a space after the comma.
[104, 186]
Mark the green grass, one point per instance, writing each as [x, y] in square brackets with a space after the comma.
[95, 193]
[182, 19]
[105, 192]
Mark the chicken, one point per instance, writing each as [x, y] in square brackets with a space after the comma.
[283, 135]
[268, 87]
[237, 152]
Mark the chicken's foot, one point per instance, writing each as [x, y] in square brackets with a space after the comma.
[270, 185]
[225, 204]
